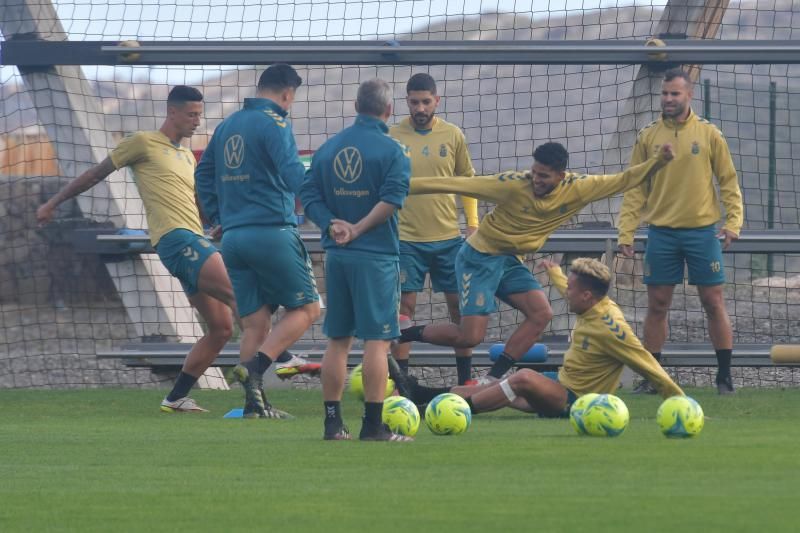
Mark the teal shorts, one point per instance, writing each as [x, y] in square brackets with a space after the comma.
[363, 295]
[184, 252]
[438, 259]
[668, 249]
[268, 265]
[481, 277]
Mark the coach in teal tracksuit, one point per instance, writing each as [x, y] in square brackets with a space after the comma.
[246, 182]
[357, 181]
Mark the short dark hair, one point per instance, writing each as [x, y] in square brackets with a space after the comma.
[552, 154]
[421, 82]
[674, 73]
[278, 77]
[180, 94]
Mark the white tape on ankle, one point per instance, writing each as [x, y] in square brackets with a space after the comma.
[507, 390]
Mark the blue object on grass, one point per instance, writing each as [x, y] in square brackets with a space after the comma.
[234, 413]
[537, 353]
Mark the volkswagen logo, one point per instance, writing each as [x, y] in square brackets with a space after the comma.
[234, 151]
[347, 164]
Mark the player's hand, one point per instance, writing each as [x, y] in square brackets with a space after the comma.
[341, 231]
[666, 152]
[547, 264]
[728, 237]
[625, 249]
[215, 232]
[469, 231]
[45, 213]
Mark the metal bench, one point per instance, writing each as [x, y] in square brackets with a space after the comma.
[106, 241]
[153, 354]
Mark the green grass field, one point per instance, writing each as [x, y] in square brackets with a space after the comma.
[107, 460]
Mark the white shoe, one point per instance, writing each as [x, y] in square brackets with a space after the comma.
[487, 380]
[181, 405]
[295, 365]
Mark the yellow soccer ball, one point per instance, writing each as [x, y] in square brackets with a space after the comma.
[605, 416]
[357, 384]
[577, 410]
[680, 417]
[401, 415]
[448, 414]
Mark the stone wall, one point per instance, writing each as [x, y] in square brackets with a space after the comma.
[57, 308]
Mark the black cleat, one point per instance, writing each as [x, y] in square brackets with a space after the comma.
[342, 433]
[725, 386]
[384, 434]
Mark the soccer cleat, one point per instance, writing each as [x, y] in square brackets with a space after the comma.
[383, 434]
[181, 405]
[725, 386]
[270, 411]
[471, 383]
[644, 387]
[294, 366]
[340, 434]
[253, 391]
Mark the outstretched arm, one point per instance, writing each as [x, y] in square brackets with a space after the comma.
[623, 345]
[82, 183]
[593, 188]
[496, 188]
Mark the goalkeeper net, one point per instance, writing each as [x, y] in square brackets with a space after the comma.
[58, 306]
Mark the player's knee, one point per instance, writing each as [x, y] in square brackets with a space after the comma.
[713, 303]
[469, 339]
[522, 379]
[312, 312]
[657, 307]
[221, 330]
[541, 317]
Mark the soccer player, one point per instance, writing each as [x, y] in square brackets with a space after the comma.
[602, 344]
[530, 206]
[164, 174]
[246, 182]
[682, 207]
[430, 236]
[357, 181]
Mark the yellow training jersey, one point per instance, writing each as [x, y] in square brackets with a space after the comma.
[521, 222]
[164, 175]
[602, 344]
[682, 195]
[441, 152]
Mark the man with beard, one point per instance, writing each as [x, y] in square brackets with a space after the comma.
[682, 207]
[430, 236]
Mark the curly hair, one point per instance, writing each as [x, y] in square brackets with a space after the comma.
[592, 274]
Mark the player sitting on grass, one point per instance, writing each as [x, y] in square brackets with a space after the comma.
[602, 344]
